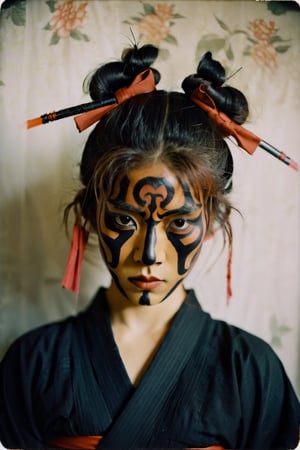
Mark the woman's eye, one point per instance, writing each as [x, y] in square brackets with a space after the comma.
[179, 225]
[124, 221]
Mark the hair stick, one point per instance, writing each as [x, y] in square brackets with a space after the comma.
[67, 112]
[278, 154]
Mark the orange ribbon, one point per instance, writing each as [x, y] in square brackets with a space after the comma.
[142, 84]
[226, 127]
[77, 442]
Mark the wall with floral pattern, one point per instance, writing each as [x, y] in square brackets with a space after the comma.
[47, 48]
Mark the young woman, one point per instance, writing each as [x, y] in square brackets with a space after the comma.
[144, 366]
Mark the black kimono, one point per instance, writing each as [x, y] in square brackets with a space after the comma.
[209, 384]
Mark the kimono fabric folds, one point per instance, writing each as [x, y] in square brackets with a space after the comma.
[231, 392]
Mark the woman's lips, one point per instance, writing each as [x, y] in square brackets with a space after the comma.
[146, 283]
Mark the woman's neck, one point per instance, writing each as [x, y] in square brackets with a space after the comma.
[139, 329]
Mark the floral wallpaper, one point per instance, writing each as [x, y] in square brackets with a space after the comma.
[155, 22]
[56, 42]
[67, 20]
[263, 43]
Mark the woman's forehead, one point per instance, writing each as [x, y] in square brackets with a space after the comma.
[155, 184]
[156, 170]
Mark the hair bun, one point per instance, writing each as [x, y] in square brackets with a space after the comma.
[211, 70]
[136, 60]
[110, 77]
[227, 99]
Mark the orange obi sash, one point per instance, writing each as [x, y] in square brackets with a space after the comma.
[92, 442]
[77, 442]
[213, 447]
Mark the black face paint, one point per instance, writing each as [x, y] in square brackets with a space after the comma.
[145, 299]
[157, 193]
[171, 290]
[115, 244]
[181, 242]
[116, 279]
[154, 193]
[149, 198]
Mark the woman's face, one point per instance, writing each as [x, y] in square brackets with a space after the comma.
[150, 233]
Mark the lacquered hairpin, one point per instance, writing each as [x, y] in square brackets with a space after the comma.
[278, 154]
[227, 127]
[68, 112]
[92, 112]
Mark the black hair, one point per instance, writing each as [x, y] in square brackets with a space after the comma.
[160, 126]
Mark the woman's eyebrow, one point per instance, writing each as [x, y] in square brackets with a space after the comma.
[183, 210]
[121, 204]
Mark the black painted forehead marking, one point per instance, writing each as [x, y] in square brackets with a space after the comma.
[163, 189]
[166, 196]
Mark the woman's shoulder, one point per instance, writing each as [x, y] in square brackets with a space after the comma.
[52, 338]
[242, 340]
[41, 346]
[246, 379]
[250, 360]
[245, 346]
[234, 341]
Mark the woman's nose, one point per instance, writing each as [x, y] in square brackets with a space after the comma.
[147, 251]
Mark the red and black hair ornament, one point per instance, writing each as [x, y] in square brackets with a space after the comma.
[247, 140]
[90, 113]
[71, 111]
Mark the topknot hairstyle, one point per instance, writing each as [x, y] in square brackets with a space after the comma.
[227, 99]
[108, 78]
[159, 126]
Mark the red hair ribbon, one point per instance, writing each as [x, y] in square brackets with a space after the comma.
[142, 84]
[229, 270]
[72, 274]
[226, 127]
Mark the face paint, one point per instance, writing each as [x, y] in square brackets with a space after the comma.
[114, 243]
[153, 194]
[150, 232]
[190, 237]
[156, 194]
